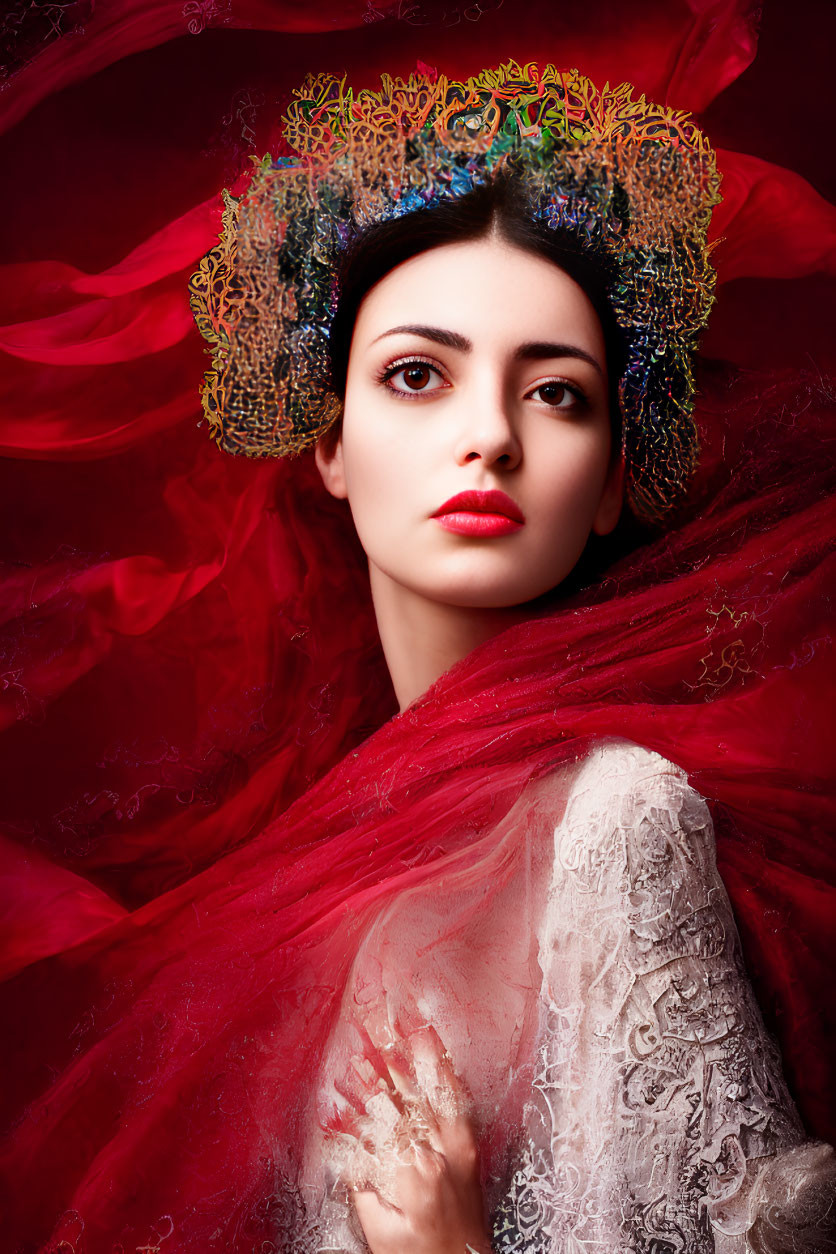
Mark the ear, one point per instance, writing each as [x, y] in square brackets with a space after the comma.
[328, 455]
[612, 499]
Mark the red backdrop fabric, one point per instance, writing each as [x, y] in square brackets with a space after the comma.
[202, 782]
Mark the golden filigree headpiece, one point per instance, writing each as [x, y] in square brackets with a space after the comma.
[634, 183]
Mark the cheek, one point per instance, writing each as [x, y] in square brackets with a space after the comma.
[379, 479]
[364, 475]
[571, 478]
[387, 455]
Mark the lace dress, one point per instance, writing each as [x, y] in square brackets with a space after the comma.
[626, 1093]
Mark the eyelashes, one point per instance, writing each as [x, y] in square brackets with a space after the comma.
[398, 367]
[571, 392]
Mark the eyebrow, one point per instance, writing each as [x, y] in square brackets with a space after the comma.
[531, 350]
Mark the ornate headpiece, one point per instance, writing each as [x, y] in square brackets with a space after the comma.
[633, 182]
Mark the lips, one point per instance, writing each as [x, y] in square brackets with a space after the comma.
[480, 514]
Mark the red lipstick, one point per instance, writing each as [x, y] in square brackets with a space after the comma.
[480, 514]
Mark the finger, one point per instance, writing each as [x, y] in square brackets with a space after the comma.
[449, 1077]
[339, 1108]
[357, 1082]
[419, 1108]
[393, 1061]
[435, 1072]
[336, 1122]
[435, 1050]
[390, 1123]
[400, 1071]
[390, 1054]
[378, 1215]
[371, 1086]
[365, 1074]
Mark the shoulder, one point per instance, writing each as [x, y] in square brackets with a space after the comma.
[632, 813]
[625, 763]
[618, 773]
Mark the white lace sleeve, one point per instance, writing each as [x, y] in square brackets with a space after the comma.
[586, 981]
[658, 1102]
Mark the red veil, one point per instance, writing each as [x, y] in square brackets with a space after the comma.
[206, 795]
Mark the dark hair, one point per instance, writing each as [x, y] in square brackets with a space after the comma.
[499, 205]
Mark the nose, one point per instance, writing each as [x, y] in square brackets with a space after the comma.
[487, 431]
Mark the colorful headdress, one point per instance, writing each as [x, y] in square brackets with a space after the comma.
[633, 182]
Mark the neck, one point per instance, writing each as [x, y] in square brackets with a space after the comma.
[422, 638]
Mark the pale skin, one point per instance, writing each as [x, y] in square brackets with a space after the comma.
[499, 384]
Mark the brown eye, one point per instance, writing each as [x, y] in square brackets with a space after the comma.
[558, 395]
[416, 377]
[411, 377]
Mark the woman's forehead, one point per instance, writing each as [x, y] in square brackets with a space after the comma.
[477, 293]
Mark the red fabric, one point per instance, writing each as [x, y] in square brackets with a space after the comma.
[180, 895]
[693, 47]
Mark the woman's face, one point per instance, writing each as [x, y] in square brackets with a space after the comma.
[476, 368]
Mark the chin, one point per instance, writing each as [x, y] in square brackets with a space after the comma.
[510, 586]
[491, 597]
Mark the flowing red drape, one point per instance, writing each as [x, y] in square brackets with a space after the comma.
[197, 808]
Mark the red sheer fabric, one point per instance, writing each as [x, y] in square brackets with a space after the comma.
[204, 798]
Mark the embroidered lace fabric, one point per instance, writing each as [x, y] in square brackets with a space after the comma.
[626, 1092]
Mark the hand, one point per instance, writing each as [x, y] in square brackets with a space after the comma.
[417, 1188]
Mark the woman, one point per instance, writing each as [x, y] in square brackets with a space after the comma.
[172, 1072]
[604, 1050]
